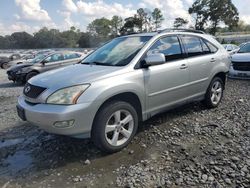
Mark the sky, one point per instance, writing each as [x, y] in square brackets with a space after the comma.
[31, 15]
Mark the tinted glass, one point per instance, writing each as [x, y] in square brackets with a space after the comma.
[38, 59]
[71, 56]
[205, 48]
[169, 46]
[55, 57]
[118, 52]
[245, 48]
[212, 48]
[193, 46]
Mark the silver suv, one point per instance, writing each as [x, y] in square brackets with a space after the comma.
[128, 80]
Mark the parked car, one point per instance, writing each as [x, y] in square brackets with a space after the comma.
[231, 48]
[5, 59]
[128, 80]
[23, 59]
[42, 63]
[240, 67]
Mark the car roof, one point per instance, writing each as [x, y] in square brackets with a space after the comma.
[167, 32]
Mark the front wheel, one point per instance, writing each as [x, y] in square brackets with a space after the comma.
[214, 93]
[30, 75]
[115, 125]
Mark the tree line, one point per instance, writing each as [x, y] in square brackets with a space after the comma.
[207, 15]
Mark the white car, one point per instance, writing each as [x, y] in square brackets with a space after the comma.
[240, 67]
[231, 48]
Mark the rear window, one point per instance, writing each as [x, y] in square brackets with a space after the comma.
[212, 47]
[192, 45]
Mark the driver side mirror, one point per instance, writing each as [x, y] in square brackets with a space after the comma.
[154, 59]
[44, 62]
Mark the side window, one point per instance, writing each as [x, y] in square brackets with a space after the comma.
[54, 58]
[212, 48]
[71, 56]
[205, 48]
[193, 45]
[169, 46]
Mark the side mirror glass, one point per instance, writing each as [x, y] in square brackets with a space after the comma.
[155, 59]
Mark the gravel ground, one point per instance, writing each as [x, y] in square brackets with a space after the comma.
[187, 147]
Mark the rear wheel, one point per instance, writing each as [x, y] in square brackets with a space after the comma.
[214, 93]
[114, 127]
[5, 65]
[30, 75]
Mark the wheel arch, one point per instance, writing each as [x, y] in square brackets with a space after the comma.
[222, 76]
[128, 97]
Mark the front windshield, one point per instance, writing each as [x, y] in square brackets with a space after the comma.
[245, 49]
[38, 58]
[118, 52]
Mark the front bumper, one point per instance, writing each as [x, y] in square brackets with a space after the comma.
[16, 77]
[45, 115]
[238, 74]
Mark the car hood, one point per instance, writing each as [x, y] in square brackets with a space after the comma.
[20, 66]
[74, 75]
[241, 57]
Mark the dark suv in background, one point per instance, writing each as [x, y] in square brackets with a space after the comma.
[43, 63]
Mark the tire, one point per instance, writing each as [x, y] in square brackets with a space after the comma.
[214, 93]
[30, 75]
[5, 65]
[104, 137]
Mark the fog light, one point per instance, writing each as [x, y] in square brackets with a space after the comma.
[64, 124]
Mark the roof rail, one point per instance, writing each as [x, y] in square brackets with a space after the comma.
[181, 30]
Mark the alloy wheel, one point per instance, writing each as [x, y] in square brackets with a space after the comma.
[119, 128]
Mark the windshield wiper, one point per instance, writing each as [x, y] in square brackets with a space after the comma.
[96, 63]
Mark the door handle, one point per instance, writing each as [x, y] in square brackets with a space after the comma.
[213, 60]
[183, 66]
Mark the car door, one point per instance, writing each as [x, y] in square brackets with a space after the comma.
[165, 84]
[70, 58]
[200, 60]
[53, 62]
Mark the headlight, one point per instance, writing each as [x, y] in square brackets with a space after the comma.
[67, 95]
[19, 72]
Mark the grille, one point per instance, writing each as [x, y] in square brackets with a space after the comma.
[11, 73]
[32, 91]
[241, 66]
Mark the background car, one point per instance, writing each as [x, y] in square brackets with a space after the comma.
[4, 59]
[231, 48]
[23, 59]
[240, 67]
[43, 63]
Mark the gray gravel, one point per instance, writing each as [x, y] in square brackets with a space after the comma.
[187, 147]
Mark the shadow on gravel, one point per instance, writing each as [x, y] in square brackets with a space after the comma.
[11, 85]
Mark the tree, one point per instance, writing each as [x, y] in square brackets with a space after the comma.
[116, 25]
[87, 40]
[21, 40]
[180, 22]
[200, 14]
[46, 38]
[71, 37]
[129, 26]
[223, 11]
[140, 19]
[101, 27]
[214, 12]
[157, 17]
